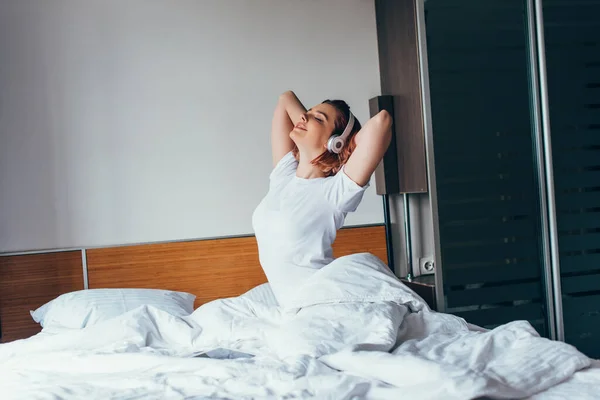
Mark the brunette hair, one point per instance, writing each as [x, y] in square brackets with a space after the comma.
[331, 163]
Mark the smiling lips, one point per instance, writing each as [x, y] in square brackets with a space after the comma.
[300, 126]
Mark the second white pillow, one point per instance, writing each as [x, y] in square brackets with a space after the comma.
[76, 310]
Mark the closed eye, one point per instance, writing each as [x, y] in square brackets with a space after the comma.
[320, 116]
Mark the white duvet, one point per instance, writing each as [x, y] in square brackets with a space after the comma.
[353, 331]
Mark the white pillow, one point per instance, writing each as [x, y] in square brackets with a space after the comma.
[262, 294]
[76, 310]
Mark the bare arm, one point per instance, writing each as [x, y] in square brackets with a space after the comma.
[371, 143]
[286, 115]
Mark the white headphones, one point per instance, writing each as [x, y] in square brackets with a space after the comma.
[336, 143]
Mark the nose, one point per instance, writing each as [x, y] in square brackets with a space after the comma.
[303, 117]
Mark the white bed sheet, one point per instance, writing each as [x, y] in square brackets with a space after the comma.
[356, 332]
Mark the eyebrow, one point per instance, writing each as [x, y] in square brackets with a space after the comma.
[322, 113]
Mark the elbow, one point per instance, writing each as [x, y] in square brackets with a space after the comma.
[286, 94]
[384, 122]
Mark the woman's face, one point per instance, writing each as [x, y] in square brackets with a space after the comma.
[314, 129]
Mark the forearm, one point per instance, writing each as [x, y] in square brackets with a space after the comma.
[287, 114]
[281, 124]
[292, 106]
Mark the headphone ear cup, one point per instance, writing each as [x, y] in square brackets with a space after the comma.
[335, 144]
[330, 144]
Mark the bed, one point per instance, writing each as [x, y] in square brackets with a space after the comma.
[197, 320]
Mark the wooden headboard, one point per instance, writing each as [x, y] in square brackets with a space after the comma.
[210, 269]
[30, 280]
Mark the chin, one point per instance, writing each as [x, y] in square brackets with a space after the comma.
[297, 135]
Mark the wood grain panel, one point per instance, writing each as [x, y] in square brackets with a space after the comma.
[386, 173]
[211, 269]
[369, 239]
[399, 69]
[29, 281]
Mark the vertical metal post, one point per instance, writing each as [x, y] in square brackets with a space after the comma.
[85, 270]
[549, 173]
[545, 178]
[388, 231]
[431, 177]
[541, 172]
[408, 238]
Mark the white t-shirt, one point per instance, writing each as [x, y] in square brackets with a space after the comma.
[297, 221]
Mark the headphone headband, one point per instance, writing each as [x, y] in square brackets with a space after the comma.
[349, 126]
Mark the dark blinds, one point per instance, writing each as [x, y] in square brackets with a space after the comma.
[486, 185]
[572, 33]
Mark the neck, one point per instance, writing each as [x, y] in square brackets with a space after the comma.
[305, 169]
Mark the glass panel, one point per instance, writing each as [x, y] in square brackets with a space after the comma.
[485, 169]
[572, 34]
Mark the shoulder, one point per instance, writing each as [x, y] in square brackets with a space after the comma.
[342, 192]
[342, 179]
[285, 168]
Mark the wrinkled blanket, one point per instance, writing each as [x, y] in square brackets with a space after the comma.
[353, 330]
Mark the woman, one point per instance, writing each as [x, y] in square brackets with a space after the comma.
[318, 177]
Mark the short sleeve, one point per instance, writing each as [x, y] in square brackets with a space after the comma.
[285, 169]
[343, 193]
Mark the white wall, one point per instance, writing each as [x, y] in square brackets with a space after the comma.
[147, 120]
